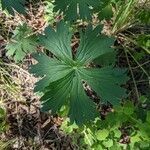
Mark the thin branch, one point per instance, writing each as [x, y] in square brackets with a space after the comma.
[136, 89]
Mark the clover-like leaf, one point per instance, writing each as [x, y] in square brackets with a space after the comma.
[11, 5]
[21, 43]
[63, 74]
[102, 134]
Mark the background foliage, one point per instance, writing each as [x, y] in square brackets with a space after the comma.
[92, 65]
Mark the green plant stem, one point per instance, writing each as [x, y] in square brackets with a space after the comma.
[136, 89]
[134, 42]
[138, 64]
[87, 137]
[145, 63]
[123, 14]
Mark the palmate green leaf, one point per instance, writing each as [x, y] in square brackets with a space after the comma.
[63, 75]
[83, 9]
[105, 82]
[93, 45]
[106, 59]
[11, 5]
[82, 109]
[58, 42]
[21, 43]
[53, 70]
[76, 9]
[104, 10]
[106, 13]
